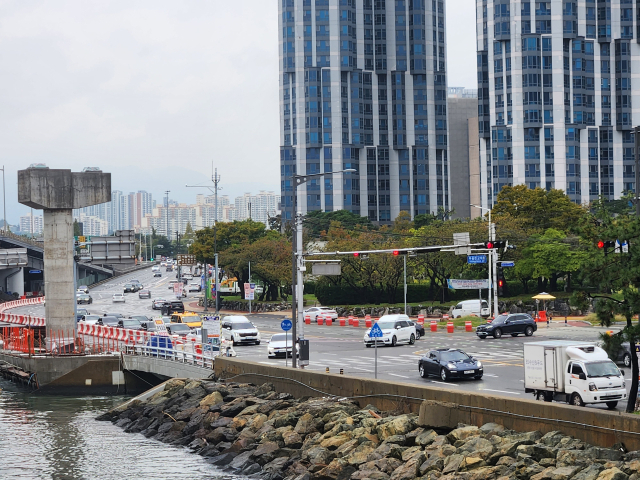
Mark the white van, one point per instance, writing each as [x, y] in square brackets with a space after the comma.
[479, 308]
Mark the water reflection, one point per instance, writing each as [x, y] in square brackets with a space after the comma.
[58, 438]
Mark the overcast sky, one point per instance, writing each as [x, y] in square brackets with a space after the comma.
[155, 91]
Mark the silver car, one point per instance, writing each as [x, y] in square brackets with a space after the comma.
[118, 297]
[280, 344]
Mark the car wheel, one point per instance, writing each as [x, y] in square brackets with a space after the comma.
[576, 400]
[626, 360]
[497, 333]
[417, 335]
[367, 345]
[444, 375]
[258, 342]
[423, 372]
[412, 339]
[612, 405]
[393, 341]
[478, 377]
[541, 396]
[528, 331]
[482, 337]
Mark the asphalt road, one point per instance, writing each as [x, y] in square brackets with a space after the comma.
[338, 347]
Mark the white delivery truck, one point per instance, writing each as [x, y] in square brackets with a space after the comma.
[574, 372]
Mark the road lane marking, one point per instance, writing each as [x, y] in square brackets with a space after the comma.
[445, 383]
[499, 391]
[396, 375]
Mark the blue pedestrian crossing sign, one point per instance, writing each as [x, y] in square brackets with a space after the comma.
[286, 325]
[376, 331]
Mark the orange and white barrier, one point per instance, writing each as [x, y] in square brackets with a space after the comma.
[421, 319]
[21, 319]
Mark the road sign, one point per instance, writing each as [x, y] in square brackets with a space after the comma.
[35, 271]
[186, 259]
[376, 331]
[508, 264]
[474, 259]
[286, 325]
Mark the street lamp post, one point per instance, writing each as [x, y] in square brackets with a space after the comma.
[493, 264]
[296, 257]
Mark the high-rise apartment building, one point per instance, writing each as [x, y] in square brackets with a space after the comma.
[556, 95]
[31, 224]
[363, 85]
[140, 205]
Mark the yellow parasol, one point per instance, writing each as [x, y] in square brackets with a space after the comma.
[544, 296]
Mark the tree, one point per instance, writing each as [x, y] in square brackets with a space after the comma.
[617, 277]
[550, 256]
[77, 231]
[317, 222]
[542, 209]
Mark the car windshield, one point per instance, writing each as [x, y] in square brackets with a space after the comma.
[179, 328]
[242, 326]
[499, 319]
[110, 321]
[131, 323]
[387, 325]
[191, 318]
[456, 356]
[140, 318]
[602, 369]
[280, 337]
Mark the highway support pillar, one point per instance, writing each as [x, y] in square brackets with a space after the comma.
[57, 192]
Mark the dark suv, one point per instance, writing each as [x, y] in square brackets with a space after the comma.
[174, 306]
[512, 324]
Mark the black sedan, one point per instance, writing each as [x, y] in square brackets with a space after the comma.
[108, 321]
[130, 288]
[419, 329]
[83, 298]
[512, 324]
[449, 363]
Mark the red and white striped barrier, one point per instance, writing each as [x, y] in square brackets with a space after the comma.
[21, 319]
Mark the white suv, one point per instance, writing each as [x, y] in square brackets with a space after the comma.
[238, 329]
[395, 329]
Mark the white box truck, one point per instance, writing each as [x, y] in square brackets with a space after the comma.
[574, 372]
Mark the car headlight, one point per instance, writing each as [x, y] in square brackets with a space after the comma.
[452, 366]
[592, 387]
[479, 364]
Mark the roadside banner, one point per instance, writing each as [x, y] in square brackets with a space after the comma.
[177, 289]
[455, 284]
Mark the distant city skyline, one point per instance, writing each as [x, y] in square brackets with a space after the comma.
[153, 92]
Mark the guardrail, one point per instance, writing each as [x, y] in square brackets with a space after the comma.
[203, 359]
[22, 319]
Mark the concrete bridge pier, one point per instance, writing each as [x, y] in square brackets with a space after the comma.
[58, 192]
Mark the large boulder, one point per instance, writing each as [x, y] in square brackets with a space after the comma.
[399, 425]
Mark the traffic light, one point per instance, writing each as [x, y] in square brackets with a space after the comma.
[497, 244]
[606, 245]
[356, 254]
[396, 253]
[501, 282]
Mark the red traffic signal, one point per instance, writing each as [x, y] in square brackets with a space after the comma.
[356, 254]
[501, 283]
[489, 245]
[396, 252]
[600, 244]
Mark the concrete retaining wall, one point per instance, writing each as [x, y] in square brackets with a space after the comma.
[595, 426]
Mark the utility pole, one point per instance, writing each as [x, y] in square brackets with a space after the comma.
[166, 229]
[215, 178]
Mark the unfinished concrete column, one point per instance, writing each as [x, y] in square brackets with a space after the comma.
[58, 192]
[58, 279]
